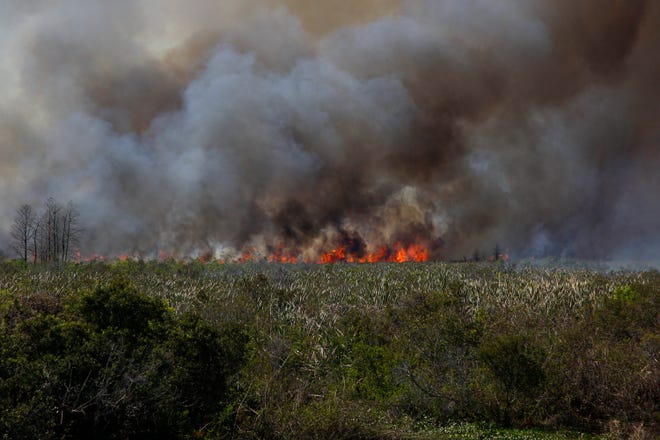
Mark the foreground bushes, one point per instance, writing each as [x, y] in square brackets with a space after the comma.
[374, 351]
[111, 364]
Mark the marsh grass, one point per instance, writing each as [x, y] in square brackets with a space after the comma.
[416, 350]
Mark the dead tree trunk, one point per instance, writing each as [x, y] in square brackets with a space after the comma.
[22, 230]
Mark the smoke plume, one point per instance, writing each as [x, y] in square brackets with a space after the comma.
[203, 126]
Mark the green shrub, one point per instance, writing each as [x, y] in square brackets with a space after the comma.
[370, 372]
[122, 308]
[439, 336]
[515, 362]
[114, 363]
[605, 366]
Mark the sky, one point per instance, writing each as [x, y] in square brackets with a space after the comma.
[206, 127]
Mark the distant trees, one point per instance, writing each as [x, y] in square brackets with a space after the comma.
[46, 238]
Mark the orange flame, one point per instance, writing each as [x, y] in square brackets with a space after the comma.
[348, 252]
[399, 253]
[248, 255]
[282, 255]
[333, 256]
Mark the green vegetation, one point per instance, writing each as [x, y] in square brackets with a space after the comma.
[409, 351]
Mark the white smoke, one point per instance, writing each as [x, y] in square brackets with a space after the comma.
[197, 125]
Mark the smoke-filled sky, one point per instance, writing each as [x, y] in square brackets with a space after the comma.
[202, 125]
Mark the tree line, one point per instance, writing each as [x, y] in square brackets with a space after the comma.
[48, 236]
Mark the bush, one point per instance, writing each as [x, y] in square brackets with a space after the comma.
[439, 336]
[606, 363]
[113, 364]
[515, 364]
[120, 307]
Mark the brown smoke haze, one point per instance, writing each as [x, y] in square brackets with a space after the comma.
[204, 126]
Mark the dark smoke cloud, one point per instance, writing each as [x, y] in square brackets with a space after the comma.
[204, 126]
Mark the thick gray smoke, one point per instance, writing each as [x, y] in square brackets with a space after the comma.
[198, 126]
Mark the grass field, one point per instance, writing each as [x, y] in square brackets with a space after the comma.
[410, 351]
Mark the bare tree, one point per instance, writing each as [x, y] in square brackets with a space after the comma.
[497, 252]
[48, 232]
[71, 230]
[55, 233]
[36, 235]
[22, 230]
